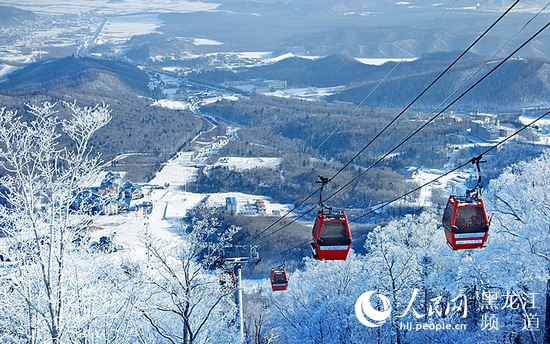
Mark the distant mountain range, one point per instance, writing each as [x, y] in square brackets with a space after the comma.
[371, 29]
[517, 84]
[357, 28]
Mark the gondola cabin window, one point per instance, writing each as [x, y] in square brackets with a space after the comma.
[470, 219]
[334, 233]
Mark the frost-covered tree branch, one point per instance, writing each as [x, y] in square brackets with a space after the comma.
[41, 178]
[183, 300]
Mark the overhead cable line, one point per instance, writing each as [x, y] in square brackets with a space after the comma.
[285, 215]
[362, 101]
[403, 141]
[442, 110]
[438, 178]
[492, 58]
[454, 169]
[384, 78]
[425, 89]
[387, 126]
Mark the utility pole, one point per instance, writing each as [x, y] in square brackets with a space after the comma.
[237, 256]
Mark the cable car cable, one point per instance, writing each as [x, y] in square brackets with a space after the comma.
[454, 169]
[389, 124]
[384, 78]
[492, 58]
[425, 124]
[442, 110]
[291, 222]
[471, 161]
[400, 114]
[285, 215]
[292, 248]
[426, 88]
[403, 141]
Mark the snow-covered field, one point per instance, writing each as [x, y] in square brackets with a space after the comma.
[447, 183]
[237, 163]
[5, 69]
[381, 61]
[118, 29]
[171, 203]
[309, 93]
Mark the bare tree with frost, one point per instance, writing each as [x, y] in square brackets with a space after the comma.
[399, 256]
[318, 306]
[182, 297]
[518, 255]
[40, 279]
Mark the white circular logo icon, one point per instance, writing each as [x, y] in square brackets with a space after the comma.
[366, 313]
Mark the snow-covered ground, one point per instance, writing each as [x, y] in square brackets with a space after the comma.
[118, 29]
[6, 69]
[173, 104]
[308, 93]
[172, 202]
[267, 57]
[381, 61]
[447, 183]
[238, 163]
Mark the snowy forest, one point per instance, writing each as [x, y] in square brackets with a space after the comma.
[56, 289]
[226, 120]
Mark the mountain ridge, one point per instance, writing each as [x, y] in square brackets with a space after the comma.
[70, 72]
[398, 83]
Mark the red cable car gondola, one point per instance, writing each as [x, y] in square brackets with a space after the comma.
[279, 279]
[331, 233]
[331, 236]
[465, 221]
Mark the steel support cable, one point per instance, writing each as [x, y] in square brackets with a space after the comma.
[285, 215]
[487, 61]
[403, 141]
[384, 78]
[435, 179]
[291, 222]
[441, 111]
[453, 170]
[426, 89]
[295, 247]
[362, 101]
[389, 124]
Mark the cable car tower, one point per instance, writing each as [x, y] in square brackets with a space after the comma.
[331, 235]
[465, 219]
[236, 256]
